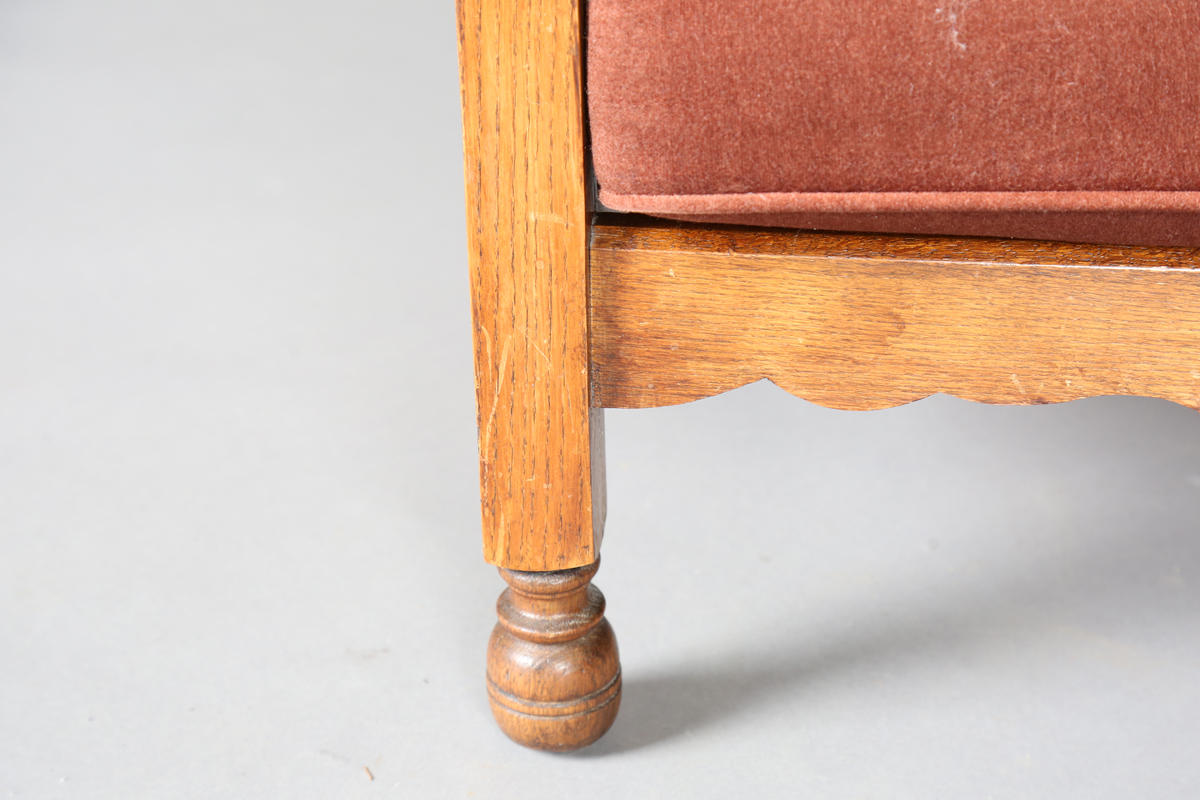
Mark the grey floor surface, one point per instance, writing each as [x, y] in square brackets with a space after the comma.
[239, 538]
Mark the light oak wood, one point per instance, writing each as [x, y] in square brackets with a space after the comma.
[681, 312]
[541, 440]
[554, 677]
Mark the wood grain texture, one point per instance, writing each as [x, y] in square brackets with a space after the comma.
[681, 312]
[554, 673]
[541, 447]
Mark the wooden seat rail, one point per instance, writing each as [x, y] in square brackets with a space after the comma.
[680, 312]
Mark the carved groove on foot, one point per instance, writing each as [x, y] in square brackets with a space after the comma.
[554, 675]
[588, 704]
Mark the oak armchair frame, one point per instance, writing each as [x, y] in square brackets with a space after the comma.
[574, 312]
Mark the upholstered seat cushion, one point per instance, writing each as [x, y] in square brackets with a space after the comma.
[1063, 119]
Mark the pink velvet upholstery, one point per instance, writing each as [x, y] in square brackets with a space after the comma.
[1058, 119]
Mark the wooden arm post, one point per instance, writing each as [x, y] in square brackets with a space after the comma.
[541, 445]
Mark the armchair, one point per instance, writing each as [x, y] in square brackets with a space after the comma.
[576, 308]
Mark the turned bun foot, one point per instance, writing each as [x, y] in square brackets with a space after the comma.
[554, 677]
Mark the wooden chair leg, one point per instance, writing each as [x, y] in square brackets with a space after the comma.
[554, 678]
[553, 674]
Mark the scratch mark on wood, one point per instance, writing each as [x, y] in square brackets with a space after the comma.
[498, 389]
[546, 216]
[533, 344]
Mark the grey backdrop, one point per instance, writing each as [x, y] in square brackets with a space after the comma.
[239, 539]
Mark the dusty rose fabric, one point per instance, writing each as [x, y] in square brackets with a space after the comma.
[1062, 119]
[1163, 229]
